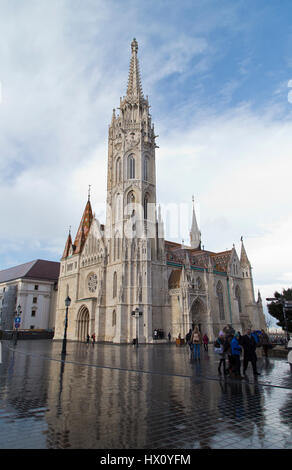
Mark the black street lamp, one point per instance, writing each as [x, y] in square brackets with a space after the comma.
[67, 303]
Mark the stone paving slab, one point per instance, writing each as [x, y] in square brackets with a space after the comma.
[117, 396]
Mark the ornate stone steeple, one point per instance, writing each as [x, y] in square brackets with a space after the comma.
[131, 161]
[195, 234]
[134, 82]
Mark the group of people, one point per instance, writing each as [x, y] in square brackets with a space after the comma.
[229, 346]
[232, 344]
[92, 339]
[158, 334]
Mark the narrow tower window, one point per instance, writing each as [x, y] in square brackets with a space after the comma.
[131, 161]
[219, 292]
[118, 171]
[145, 206]
[238, 298]
[115, 285]
[146, 168]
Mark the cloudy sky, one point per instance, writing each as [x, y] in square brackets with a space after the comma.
[218, 76]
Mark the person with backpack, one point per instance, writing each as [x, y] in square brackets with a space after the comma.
[235, 355]
[196, 341]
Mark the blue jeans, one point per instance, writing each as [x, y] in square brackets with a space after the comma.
[196, 351]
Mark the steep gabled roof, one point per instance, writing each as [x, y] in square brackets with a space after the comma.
[38, 270]
[83, 229]
[67, 246]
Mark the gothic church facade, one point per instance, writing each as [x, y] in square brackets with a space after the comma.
[110, 270]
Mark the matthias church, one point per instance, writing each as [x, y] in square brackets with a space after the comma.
[113, 269]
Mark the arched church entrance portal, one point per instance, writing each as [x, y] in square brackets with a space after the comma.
[82, 324]
[197, 314]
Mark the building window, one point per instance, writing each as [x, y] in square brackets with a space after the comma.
[146, 168]
[36, 287]
[34, 300]
[118, 171]
[238, 298]
[115, 285]
[33, 313]
[114, 320]
[131, 161]
[199, 283]
[219, 292]
[32, 327]
[145, 207]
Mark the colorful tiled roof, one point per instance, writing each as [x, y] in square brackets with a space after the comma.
[175, 253]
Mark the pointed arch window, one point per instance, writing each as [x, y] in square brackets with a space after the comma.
[118, 170]
[238, 298]
[146, 200]
[115, 285]
[199, 283]
[114, 318]
[131, 167]
[146, 168]
[219, 292]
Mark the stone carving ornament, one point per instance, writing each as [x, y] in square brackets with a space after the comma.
[92, 282]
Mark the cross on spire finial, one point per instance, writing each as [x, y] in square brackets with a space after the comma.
[134, 46]
[69, 229]
[89, 186]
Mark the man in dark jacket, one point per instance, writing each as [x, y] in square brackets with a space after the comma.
[249, 347]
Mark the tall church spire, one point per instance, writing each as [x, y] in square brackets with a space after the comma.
[244, 261]
[195, 234]
[134, 89]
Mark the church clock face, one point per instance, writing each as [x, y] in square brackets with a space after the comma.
[92, 282]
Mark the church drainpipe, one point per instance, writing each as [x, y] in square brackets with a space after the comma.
[229, 300]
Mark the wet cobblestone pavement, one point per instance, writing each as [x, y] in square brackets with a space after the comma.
[152, 397]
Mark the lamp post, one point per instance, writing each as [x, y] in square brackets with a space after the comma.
[137, 314]
[67, 303]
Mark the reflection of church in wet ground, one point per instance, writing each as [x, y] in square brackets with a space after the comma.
[112, 269]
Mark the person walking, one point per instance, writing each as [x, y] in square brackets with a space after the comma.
[249, 345]
[235, 354]
[188, 340]
[169, 337]
[205, 342]
[196, 341]
[221, 344]
[93, 338]
[265, 341]
[88, 339]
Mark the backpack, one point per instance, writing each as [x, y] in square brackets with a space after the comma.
[196, 337]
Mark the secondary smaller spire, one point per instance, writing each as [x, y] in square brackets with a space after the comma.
[195, 234]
